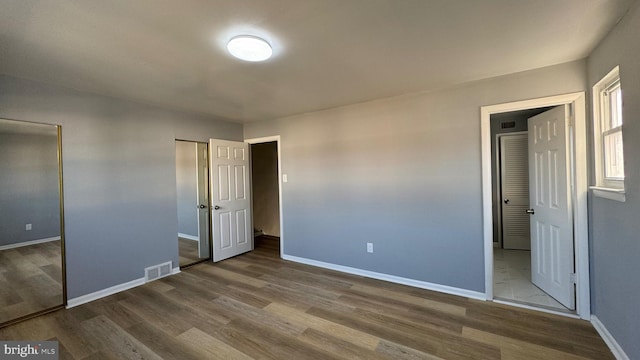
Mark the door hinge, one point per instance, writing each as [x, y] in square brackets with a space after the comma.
[573, 278]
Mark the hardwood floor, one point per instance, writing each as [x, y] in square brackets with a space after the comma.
[257, 306]
[30, 279]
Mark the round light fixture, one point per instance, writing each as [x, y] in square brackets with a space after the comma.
[249, 48]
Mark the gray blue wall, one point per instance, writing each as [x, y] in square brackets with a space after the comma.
[403, 173]
[119, 177]
[29, 187]
[615, 226]
[187, 187]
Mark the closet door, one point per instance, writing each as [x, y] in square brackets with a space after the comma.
[514, 181]
[31, 236]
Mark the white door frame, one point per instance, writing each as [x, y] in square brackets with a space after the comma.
[267, 139]
[579, 191]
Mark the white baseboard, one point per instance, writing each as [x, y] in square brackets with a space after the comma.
[27, 243]
[110, 291]
[188, 237]
[104, 292]
[391, 278]
[613, 345]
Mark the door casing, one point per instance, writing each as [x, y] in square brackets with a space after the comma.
[579, 191]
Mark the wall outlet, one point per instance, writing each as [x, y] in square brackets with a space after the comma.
[285, 178]
[369, 247]
[27, 227]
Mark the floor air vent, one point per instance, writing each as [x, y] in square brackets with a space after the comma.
[157, 271]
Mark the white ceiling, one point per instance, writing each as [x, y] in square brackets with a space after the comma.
[328, 53]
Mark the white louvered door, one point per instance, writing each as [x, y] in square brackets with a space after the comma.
[514, 183]
[231, 199]
[552, 256]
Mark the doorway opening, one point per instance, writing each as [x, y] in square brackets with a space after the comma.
[192, 181]
[512, 276]
[531, 236]
[267, 190]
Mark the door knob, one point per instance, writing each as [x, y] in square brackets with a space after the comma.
[529, 211]
[506, 201]
[216, 207]
[202, 206]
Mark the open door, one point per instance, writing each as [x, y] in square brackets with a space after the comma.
[231, 199]
[552, 248]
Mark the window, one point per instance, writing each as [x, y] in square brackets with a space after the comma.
[607, 116]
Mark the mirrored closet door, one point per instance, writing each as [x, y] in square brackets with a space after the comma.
[31, 220]
[192, 180]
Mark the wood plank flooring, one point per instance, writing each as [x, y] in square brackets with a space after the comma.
[257, 306]
[30, 279]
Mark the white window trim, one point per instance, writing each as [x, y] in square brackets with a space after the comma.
[609, 193]
[612, 189]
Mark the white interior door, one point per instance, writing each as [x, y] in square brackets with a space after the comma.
[231, 199]
[514, 185]
[202, 164]
[552, 255]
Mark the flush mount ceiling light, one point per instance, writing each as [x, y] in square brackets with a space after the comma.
[249, 48]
